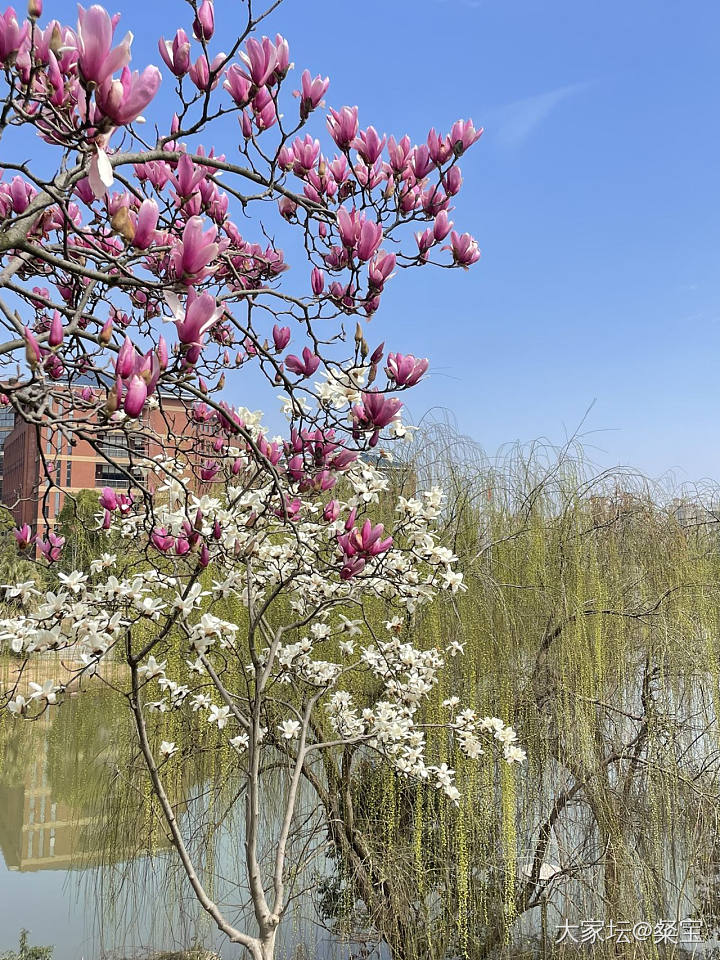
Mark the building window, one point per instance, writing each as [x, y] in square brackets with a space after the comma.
[68, 474]
[57, 503]
[119, 446]
[108, 475]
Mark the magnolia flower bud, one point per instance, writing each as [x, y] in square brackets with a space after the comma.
[35, 9]
[56, 40]
[105, 335]
[204, 23]
[122, 224]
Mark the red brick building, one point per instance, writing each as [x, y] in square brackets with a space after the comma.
[78, 465]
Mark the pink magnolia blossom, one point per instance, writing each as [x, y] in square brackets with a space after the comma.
[162, 540]
[12, 35]
[463, 135]
[238, 85]
[369, 144]
[51, 548]
[264, 110]
[367, 541]
[176, 53]
[352, 567]
[162, 353]
[97, 59]
[317, 281]
[331, 511]
[358, 546]
[21, 193]
[204, 75]
[442, 226]
[422, 162]
[23, 536]
[343, 125]
[145, 225]
[209, 471]
[305, 367]
[193, 321]
[464, 249]
[453, 181]
[358, 234]
[381, 269]
[57, 333]
[126, 358]
[282, 58]
[306, 153]
[399, 153]
[204, 23]
[439, 147]
[135, 396]
[311, 93]
[108, 499]
[369, 239]
[287, 208]
[191, 257]
[281, 337]
[375, 412]
[405, 370]
[187, 177]
[261, 60]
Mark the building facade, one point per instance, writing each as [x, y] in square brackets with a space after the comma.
[109, 457]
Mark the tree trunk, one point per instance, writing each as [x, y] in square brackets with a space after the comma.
[267, 946]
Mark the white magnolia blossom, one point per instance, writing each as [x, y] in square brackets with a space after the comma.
[219, 715]
[47, 691]
[253, 554]
[289, 729]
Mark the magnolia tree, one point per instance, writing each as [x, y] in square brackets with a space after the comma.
[127, 231]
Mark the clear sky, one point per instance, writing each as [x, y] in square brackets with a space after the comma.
[593, 195]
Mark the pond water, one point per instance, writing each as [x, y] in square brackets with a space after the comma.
[74, 863]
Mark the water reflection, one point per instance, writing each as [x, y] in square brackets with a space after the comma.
[88, 865]
[36, 833]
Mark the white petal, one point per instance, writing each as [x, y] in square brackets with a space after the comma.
[104, 167]
[173, 301]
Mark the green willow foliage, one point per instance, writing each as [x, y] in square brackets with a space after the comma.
[591, 622]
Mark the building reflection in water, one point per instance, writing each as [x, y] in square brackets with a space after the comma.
[38, 831]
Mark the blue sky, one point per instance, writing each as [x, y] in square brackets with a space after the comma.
[593, 195]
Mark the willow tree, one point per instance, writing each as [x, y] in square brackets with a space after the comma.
[591, 616]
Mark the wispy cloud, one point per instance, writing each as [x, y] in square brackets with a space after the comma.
[512, 124]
